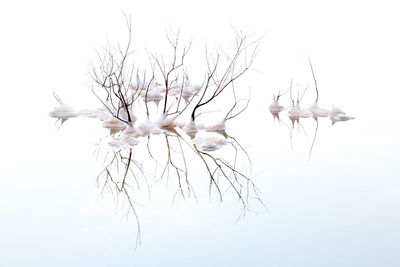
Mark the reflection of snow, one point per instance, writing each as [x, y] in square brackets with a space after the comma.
[88, 113]
[131, 131]
[129, 141]
[115, 143]
[341, 117]
[211, 142]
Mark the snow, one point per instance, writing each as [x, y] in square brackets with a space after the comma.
[190, 127]
[63, 112]
[335, 111]
[317, 111]
[220, 126]
[167, 121]
[129, 141]
[275, 107]
[190, 90]
[146, 127]
[337, 115]
[154, 94]
[297, 112]
[114, 123]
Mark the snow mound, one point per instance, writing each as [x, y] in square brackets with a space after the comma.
[114, 123]
[167, 121]
[63, 112]
[128, 141]
[335, 111]
[275, 107]
[190, 127]
[337, 115]
[146, 128]
[190, 90]
[297, 112]
[220, 126]
[154, 94]
[317, 111]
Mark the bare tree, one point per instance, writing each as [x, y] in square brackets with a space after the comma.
[115, 75]
[175, 64]
[122, 87]
[220, 76]
[315, 81]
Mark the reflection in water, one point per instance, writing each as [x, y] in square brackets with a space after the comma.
[315, 137]
[296, 113]
[124, 175]
[128, 97]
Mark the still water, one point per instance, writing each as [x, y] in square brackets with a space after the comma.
[313, 194]
[336, 207]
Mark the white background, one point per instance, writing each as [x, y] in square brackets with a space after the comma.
[340, 209]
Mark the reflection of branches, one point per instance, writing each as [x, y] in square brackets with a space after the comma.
[240, 183]
[315, 136]
[180, 172]
[119, 185]
[276, 117]
[121, 88]
[123, 175]
[241, 148]
[302, 127]
[294, 120]
[217, 167]
[122, 85]
[220, 167]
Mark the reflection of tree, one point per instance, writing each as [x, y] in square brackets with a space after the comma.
[239, 182]
[296, 123]
[110, 178]
[124, 174]
[315, 137]
[296, 114]
[124, 90]
[181, 173]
